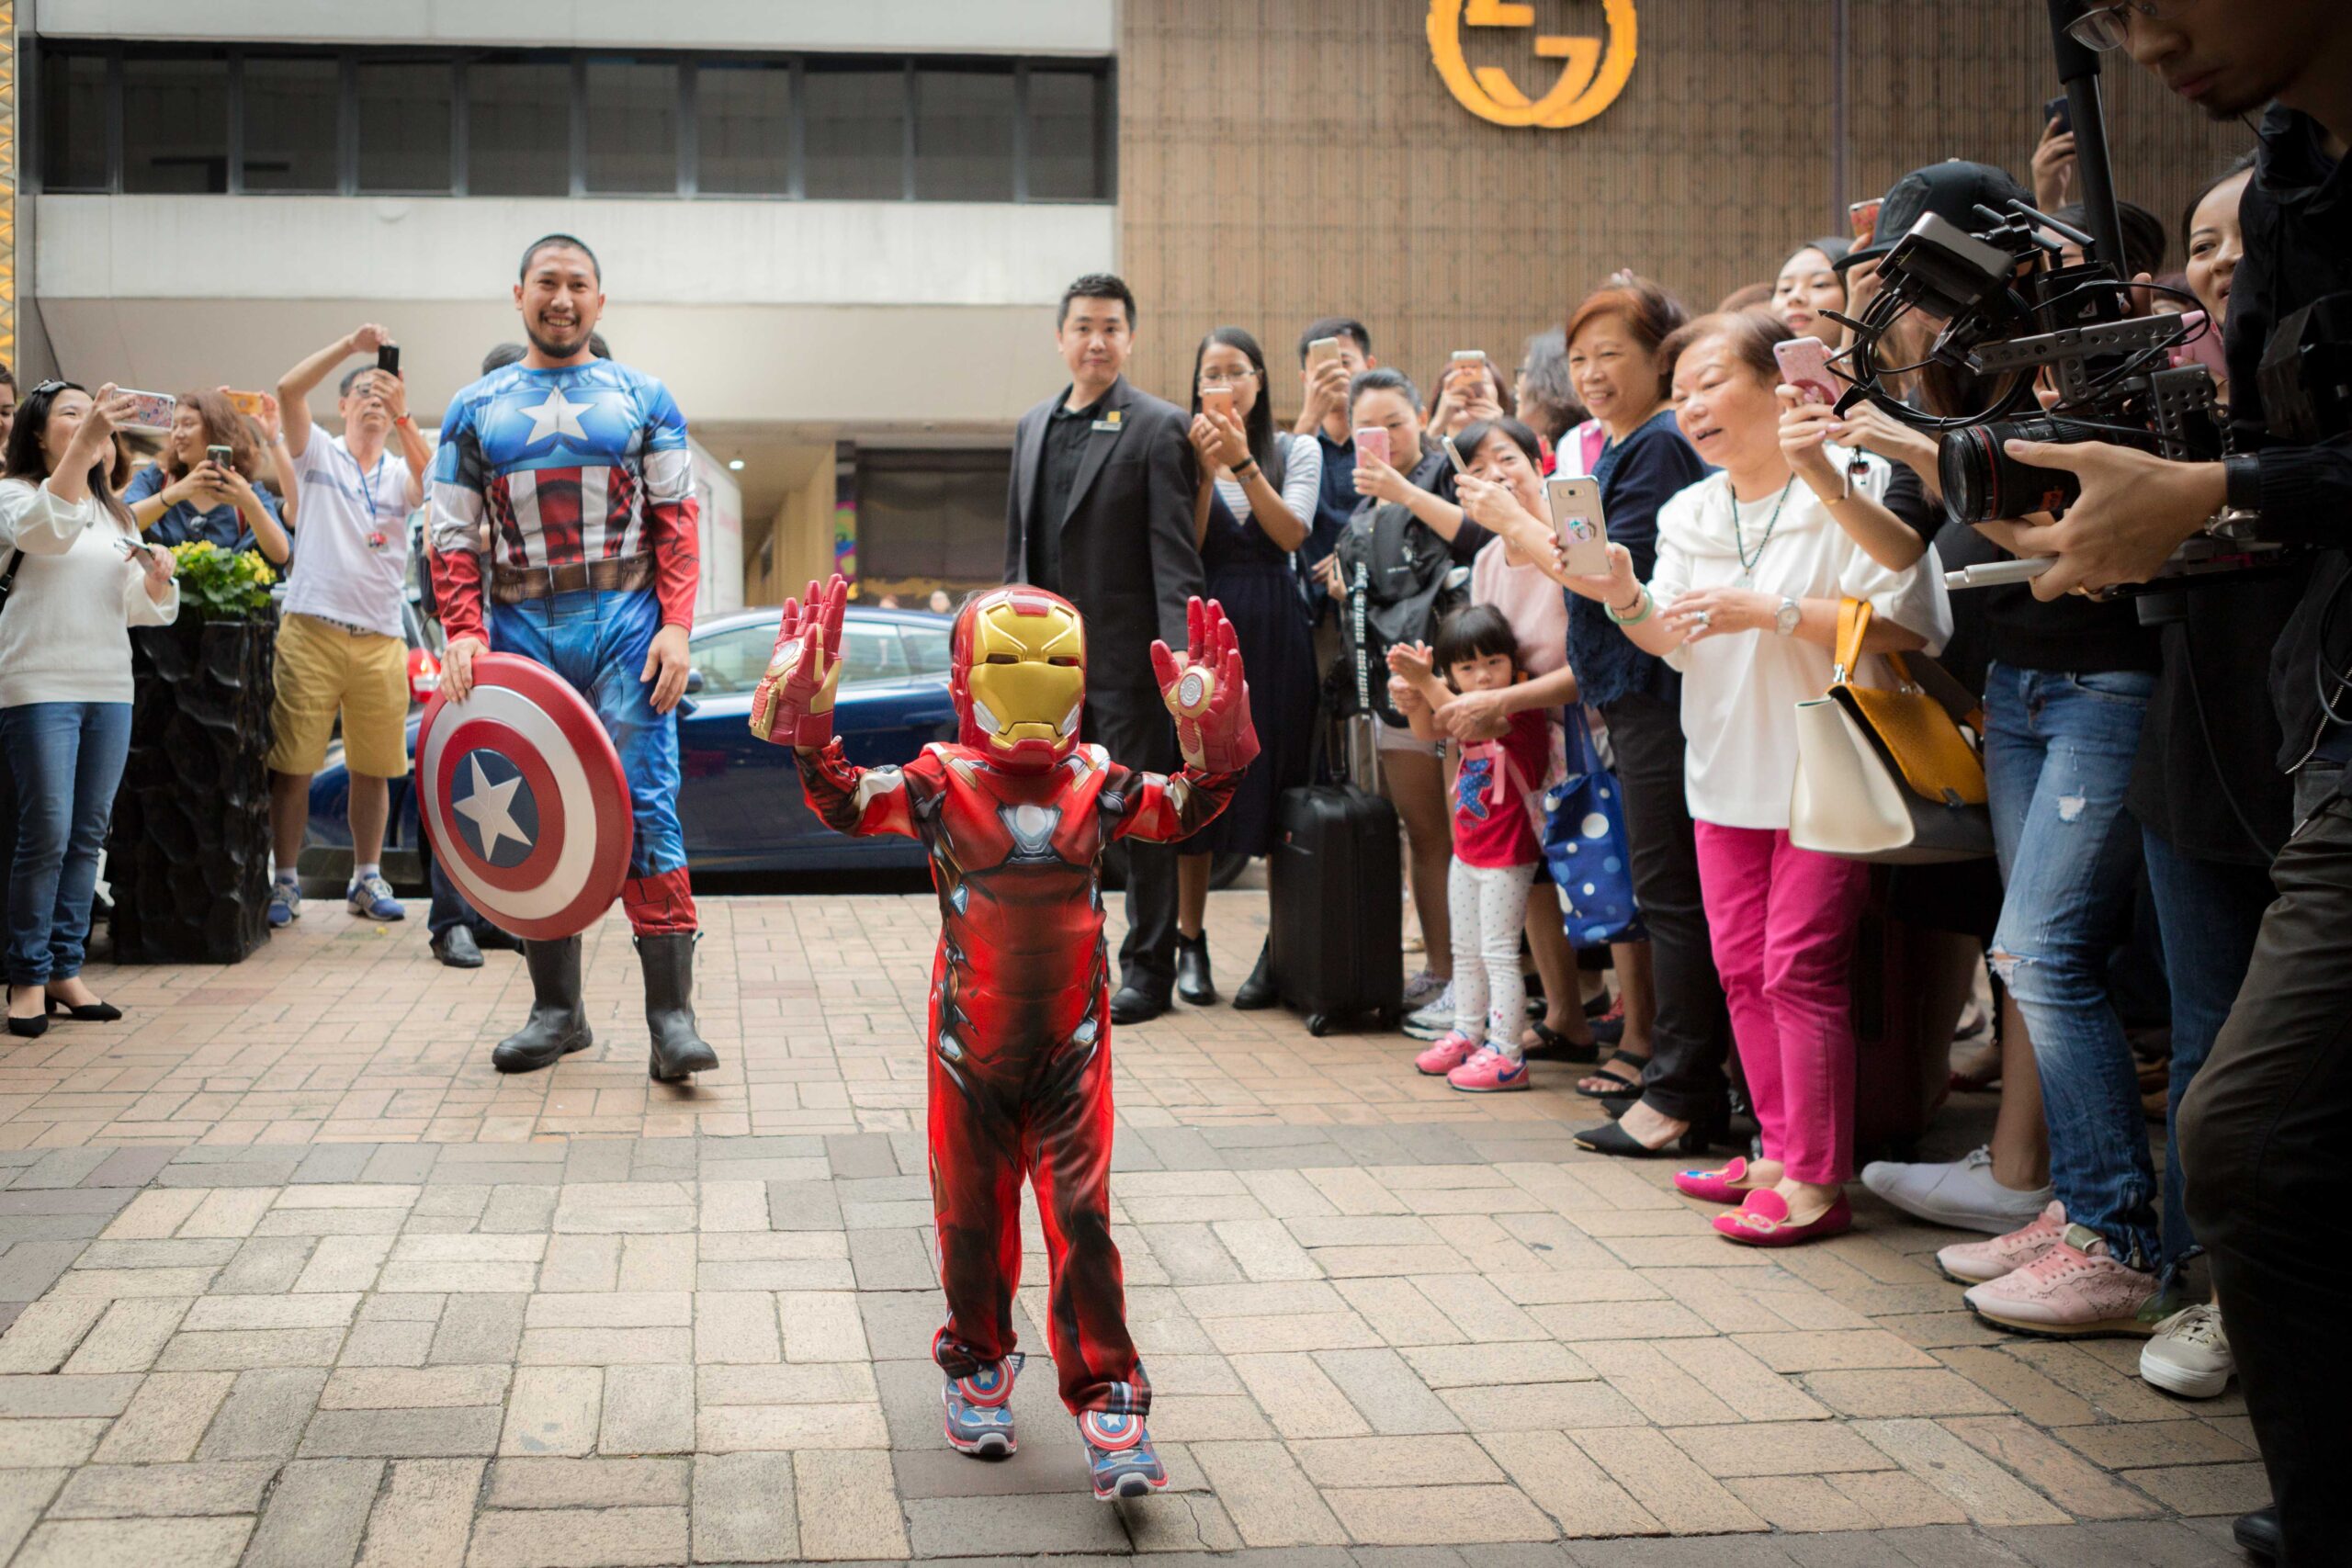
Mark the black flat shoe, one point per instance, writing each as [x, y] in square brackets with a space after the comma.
[1193, 983]
[88, 1012]
[2257, 1533]
[1258, 991]
[28, 1028]
[1608, 1138]
[1129, 1005]
[456, 949]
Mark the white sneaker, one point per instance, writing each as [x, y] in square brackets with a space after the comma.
[1960, 1193]
[2189, 1355]
[1434, 1021]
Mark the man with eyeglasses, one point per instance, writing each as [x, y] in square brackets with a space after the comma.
[2262, 1129]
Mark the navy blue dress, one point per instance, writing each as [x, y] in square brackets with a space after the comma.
[1251, 577]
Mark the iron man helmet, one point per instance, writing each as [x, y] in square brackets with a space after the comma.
[1018, 676]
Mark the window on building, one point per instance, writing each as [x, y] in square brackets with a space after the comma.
[1067, 135]
[291, 108]
[73, 122]
[857, 127]
[518, 126]
[403, 107]
[632, 113]
[175, 124]
[744, 130]
[964, 135]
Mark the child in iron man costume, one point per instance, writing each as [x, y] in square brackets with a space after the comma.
[1015, 816]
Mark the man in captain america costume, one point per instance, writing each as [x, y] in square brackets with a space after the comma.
[1015, 816]
[580, 469]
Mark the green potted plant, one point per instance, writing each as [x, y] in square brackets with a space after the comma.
[188, 856]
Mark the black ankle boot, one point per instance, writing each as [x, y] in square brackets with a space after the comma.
[558, 1024]
[678, 1051]
[1192, 982]
[1258, 991]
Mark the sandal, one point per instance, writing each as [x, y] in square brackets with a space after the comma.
[1607, 1084]
[1551, 1045]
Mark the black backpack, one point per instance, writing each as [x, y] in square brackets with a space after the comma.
[1401, 582]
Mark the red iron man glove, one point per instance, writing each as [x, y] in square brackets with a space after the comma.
[1207, 694]
[793, 704]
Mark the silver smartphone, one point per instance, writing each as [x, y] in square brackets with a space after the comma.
[1583, 532]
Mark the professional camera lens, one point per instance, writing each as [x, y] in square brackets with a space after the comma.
[1982, 483]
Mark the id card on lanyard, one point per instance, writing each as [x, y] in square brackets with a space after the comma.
[375, 535]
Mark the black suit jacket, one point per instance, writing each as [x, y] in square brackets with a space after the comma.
[1127, 558]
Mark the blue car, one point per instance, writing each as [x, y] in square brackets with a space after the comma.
[740, 797]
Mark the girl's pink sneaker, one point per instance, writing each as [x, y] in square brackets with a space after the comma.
[1489, 1072]
[1449, 1051]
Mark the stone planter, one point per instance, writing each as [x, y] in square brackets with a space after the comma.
[188, 855]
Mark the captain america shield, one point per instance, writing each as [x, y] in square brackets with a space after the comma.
[523, 797]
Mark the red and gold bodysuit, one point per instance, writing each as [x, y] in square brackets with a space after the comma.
[1020, 1034]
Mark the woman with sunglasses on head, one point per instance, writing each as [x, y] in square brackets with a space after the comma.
[78, 579]
[191, 493]
[1253, 509]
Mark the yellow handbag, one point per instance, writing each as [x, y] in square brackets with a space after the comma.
[1889, 773]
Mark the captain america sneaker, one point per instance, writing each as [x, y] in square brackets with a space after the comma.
[979, 1410]
[1118, 1453]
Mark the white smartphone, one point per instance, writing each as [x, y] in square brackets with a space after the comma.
[1322, 351]
[1583, 532]
[1805, 365]
[1453, 455]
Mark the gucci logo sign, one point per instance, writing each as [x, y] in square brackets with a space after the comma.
[1592, 70]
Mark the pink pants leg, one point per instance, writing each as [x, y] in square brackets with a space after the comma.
[1783, 922]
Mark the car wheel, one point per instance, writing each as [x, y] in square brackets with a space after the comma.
[1226, 870]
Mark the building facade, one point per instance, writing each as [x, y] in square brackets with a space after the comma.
[839, 231]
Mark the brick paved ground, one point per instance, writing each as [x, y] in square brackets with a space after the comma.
[291, 1276]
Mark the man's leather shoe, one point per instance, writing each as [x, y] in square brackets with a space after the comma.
[2257, 1533]
[455, 947]
[1193, 983]
[1129, 1005]
[489, 939]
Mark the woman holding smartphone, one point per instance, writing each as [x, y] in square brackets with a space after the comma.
[80, 579]
[1253, 509]
[202, 487]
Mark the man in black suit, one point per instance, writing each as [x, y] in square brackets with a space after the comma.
[1100, 512]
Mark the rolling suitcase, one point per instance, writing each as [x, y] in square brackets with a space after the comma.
[1336, 899]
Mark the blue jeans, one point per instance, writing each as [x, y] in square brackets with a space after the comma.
[2058, 755]
[64, 761]
[2210, 913]
[597, 642]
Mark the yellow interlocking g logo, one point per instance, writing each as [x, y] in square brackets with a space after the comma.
[1592, 72]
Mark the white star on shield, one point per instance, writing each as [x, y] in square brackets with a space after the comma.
[556, 416]
[490, 807]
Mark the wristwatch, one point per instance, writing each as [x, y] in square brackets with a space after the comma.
[1789, 614]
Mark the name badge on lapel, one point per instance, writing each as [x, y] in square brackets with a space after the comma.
[1109, 423]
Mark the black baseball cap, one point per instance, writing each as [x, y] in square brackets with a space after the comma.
[1952, 190]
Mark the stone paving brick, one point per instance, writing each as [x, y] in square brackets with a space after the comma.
[41, 1441]
[1799, 1503]
[402, 1434]
[166, 1418]
[1399, 1313]
[480, 1328]
[557, 1538]
[23, 1495]
[266, 1266]
[2134, 1444]
[1438, 1516]
[731, 1428]
[1777, 1447]
[1664, 1480]
[1474, 1366]
[47, 1332]
[1898, 1498]
[113, 1284]
[1536, 1407]
[425, 1514]
[1742, 1382]
[345, 1263]
[421, 1388]
[1656, 1386]
[230, 1212]
[237, 1349]
[1570, 1486]
[605, 1347]
[264, 1412]
[2204, 1488]
[320, 1311]
[553, 1410]
[516, 1482]
[101, 1396]
[1270, 1501]
[743, 1506]
[736, 1326]
[1446, 1460]
[659, 1263]
[821, 1325]
[1860, 1348]
[648, 1410]
[581, 1263]
[393, 1344]
[153, 1216]
[1889, 1393]
[846, 1506]
[1391, 1398]
[1297, 1397]
[2078, 1488]
[317, 1515]
[611, 1309]
[812, 1382]
[1293, 1331]
[184, 1543]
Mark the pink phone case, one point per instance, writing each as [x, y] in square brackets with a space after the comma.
[1373, 439]
[1805, 365]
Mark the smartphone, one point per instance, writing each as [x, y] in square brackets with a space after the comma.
[1454, 456]
[151, 412]
[1462, 354]
[1217, 400]
[1805, 365]
[1370, 440]
[1862, 218]
[250, 404]
[224, 456]
[1321, 352]
[387, 358]
[2060, 110]
[2204, 348]
[1577, 519]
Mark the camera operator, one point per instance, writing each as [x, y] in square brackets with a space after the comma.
[2264, 1118]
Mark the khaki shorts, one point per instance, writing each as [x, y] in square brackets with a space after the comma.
[322, 668]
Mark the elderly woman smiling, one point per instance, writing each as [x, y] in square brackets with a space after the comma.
[1752, 563]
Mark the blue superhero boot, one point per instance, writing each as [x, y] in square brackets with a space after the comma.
[979, 1410]
[1118, 1452]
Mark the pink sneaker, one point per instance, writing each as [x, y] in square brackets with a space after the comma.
[1489, 1072]
[2077, 1287]
[1452, 1049]
[1975, 1262]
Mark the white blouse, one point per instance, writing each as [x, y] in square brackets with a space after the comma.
[1740, 689]
[62, 635]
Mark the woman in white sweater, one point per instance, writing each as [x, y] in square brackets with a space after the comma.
[1752, 563]
[80, 579]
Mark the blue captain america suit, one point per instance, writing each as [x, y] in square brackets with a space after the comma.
[583, 465]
